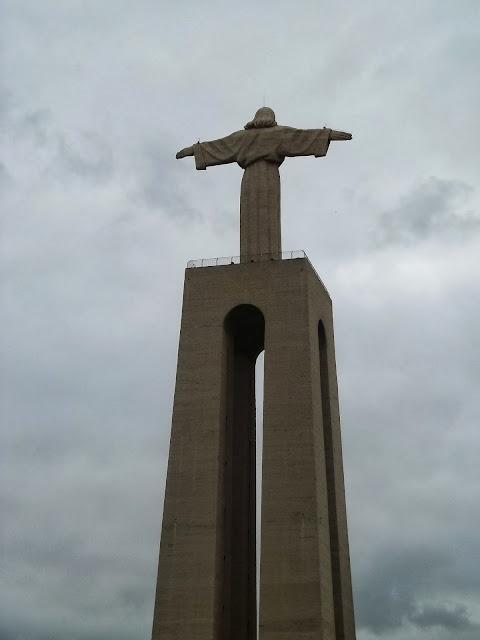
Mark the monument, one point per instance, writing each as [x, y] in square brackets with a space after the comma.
[206, 587]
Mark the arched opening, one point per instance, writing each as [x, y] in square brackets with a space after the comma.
[331, 484]
[244, 341]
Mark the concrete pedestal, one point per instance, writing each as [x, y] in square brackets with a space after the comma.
[206, 579]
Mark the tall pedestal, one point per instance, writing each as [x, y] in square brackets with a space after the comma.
[206, 587]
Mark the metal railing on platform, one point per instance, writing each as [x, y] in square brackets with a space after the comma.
[259, 257]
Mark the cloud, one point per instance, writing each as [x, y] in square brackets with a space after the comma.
[86, 155]
[454, 618]
[4, 177]
[432, 209]
[99, 220]
[159, 184]
[396, 590]
[36, 124]
[36, 149]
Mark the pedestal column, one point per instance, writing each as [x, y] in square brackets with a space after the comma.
[260, 211]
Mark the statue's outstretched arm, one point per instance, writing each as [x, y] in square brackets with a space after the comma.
[188, 151]
[340, 135]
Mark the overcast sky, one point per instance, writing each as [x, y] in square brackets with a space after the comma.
[99, 220]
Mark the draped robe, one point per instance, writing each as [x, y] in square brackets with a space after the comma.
[260, 151]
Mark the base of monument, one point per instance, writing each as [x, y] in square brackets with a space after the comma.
[206, 579]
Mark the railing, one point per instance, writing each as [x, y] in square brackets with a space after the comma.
[260, 257]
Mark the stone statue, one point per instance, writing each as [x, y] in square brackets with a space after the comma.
[260, 148]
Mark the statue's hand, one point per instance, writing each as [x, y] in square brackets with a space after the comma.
[188, 151]
[340, 135]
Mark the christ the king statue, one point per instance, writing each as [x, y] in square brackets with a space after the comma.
[260, 148]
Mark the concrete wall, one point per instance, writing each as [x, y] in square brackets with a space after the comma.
[206, 574]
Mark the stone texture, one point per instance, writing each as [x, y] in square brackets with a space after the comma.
[206, 578]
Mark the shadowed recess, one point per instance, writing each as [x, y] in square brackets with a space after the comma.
[244, 341]
[331, 489]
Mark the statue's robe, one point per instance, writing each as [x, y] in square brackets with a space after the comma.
[260, 152]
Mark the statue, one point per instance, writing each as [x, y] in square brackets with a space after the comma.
[260, 148]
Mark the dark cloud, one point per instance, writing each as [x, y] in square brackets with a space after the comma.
[451, 618]
[395, 587]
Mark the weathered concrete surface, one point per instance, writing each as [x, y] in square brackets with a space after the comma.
[260, 231]
[305, 586]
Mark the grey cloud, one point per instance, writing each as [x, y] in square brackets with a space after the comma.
[452, 618]
[4, 177]
[9, 634]
[36, 124]
[86, 155]
[120, 628]
[434, 208]
[83, 154]
[100, 219]
[406, 417]
[395, 588]
[387, 596]
[161, 184]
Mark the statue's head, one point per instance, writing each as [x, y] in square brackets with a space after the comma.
[265, 117]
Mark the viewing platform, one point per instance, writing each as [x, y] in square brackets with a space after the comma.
[259, 257]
